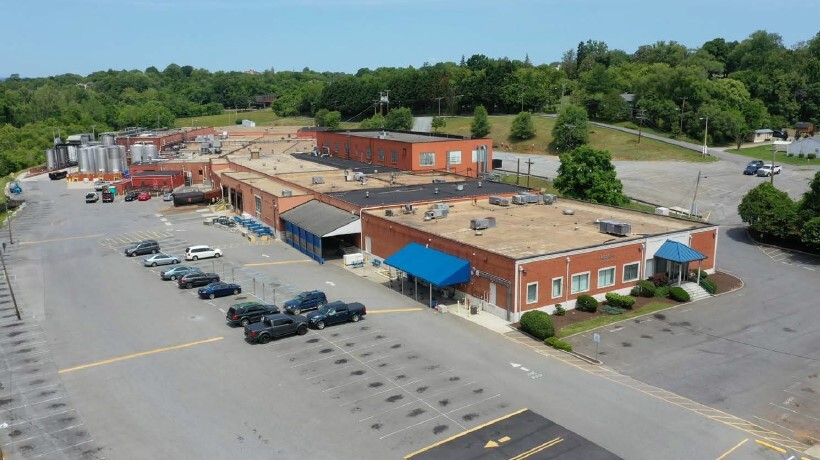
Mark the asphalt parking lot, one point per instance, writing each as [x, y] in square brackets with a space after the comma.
[149, 370]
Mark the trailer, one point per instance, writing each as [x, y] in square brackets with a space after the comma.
[184, 199]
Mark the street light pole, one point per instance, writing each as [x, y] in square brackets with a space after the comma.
[8, 219]
[705, 134]
[439, 104]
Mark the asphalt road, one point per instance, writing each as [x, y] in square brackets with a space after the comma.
[150, 370]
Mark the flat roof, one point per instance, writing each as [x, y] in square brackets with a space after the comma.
[274, 164]
[154, 173]
[263, 183]
[524, 231]
[344, 163]
[335, 181]
[386, 196]
[401, 136]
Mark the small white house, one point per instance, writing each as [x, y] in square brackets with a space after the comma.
[762, 135]
[249, 124]
[805, 146]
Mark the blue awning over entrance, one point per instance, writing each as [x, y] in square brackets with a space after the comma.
[678, 252]
[430, 265]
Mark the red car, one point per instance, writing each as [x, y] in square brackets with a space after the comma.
[144, 196]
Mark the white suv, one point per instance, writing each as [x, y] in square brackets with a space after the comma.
[201, 252]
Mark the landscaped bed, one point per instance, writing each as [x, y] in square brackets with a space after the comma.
[575, 321]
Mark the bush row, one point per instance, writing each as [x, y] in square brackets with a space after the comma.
[678, 294]
[538, 324]
[709, 286]
[810, 156]
[620, 301]
[554, 342]
[586, 303]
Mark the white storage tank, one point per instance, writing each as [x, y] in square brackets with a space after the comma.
[107, 139]
[136, 153]
[112, 154]
[123, 159]
[100, 159]
[51, 161]
[82, 160]
[151, 153]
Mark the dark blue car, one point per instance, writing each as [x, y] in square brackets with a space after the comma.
[219, 289]
[752, 167]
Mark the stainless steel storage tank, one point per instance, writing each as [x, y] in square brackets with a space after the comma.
[82, 160]
[113, 159]
[100, 163]
[61, 156]
[136, 153]
[123, 159]
[51, 162]
[107, 139]
[151, 153]
[72, 153]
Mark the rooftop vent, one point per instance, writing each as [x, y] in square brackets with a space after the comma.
[550, 199]
[318, 180]
[460, 187]
[287, 192]
[481, 224]
[439, 180]
[568, 211]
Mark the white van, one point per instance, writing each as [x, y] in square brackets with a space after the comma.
[201, 252]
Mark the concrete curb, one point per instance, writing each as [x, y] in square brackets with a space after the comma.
[757, 243]
[576, 354]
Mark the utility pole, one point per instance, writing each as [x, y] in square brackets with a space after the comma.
[771, 176]
[640, 123]
[682, 108]
[8, 219]
[439, 104]
[692, 209]
[529, 168]
[518, 172]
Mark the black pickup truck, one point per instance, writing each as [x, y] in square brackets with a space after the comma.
[336, 312]
[277, 325]
[224, 220]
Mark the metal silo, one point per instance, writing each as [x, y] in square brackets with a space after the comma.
[51, 162]
[151, 152]
[60, 156]
[123, 159]
[82, 160]
[72, 153]
[136, 154]
[113, 159]
[107, 139]
[100, 162]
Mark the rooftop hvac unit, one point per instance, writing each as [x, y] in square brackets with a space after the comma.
[318, 180]
[388, 212]
[526, 199]
[358, 175]
[439, 180]
[661, 211]
[440, 206]
[287, 192]
[499, 201]
[481, 224]
[436, 213]
[408, 209]
[550, 199]
[623, 229]
[615, 228]
[459, 187]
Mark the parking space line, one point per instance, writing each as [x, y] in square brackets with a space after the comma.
[281, 262]
[463, 433]
[365, 379]
[42, 434]
[395, 310]
[393, 388]
[64, 448]
[353, 336]
[414, 425]
[457, 387]
[61, 239]
[138, 355]
[23, 422]
[388, 410]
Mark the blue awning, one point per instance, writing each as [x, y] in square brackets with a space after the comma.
[678, 252]
[430, 265]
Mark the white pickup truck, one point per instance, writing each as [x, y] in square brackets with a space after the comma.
[768, 170]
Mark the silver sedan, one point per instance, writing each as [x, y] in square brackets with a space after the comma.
[160, 259]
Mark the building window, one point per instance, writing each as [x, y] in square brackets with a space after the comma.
[532, 292]
[427, 159]
[336, 147]
[381, 154]
[606, 277]
[347, 147]
[580, 283]
[557, 287]
[454, 157]
[394, 156]
[368, 153]
[258, 202]
[631, 271]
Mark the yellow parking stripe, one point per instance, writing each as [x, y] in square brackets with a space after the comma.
[725, 454]
[281, 262]
[394, 310]
[770, 446]
[137, 355]
[537, 449]
[61, 239]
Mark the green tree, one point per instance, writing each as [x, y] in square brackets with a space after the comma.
[480, 127]
[320, 116]
[588, 174]
[768, 210]
[810, 202]
[401, 118]
[522, 127]
[810, 234]
[333, 119]
[571, 128]
[375, 122]
[438, 122]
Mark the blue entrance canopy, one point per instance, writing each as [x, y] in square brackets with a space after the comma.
[678, 252]
[431, 265]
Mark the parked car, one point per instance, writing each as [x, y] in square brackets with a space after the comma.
[336, 312]
[178, 272]
[201, 252]
[100, 186]
[57, 175]
[780, 135]
[197, 279]
[107, 197]
[168, 197]
[144, 196]
[768, 170]
[142, 248]
[224, 220]
[249, 312]
[274, 326]
[91, 197]
[219, 289]
[131, 196]
[752, 167]
[160, 259]
[310, 300]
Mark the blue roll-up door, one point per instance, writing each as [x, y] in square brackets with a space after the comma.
[305, 242]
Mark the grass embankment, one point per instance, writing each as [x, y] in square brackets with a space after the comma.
[260, 117]
[764, 152]
[622, 146]
[583, 326]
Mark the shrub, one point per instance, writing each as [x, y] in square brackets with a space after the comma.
[619, 301]
[554, 342]
[630, 126]
[800, 155]
[694, 275]
[811, 156]
[538, 324]
[659, 279]
[559, 310]
[647, 288]
[610, 310]
[790, 154]
[586, 303]
[708, 285]
[662, 292]
[635, 292]
[678, 294]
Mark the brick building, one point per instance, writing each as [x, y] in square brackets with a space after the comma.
[410, 151]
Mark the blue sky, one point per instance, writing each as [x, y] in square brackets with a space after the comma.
[51, 37]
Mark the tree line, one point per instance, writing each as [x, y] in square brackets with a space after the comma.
[741, 86]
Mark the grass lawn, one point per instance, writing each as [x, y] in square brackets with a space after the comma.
[621, 145]
[764, 152]
[261, 117]
[657, 132]
[599, 321]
